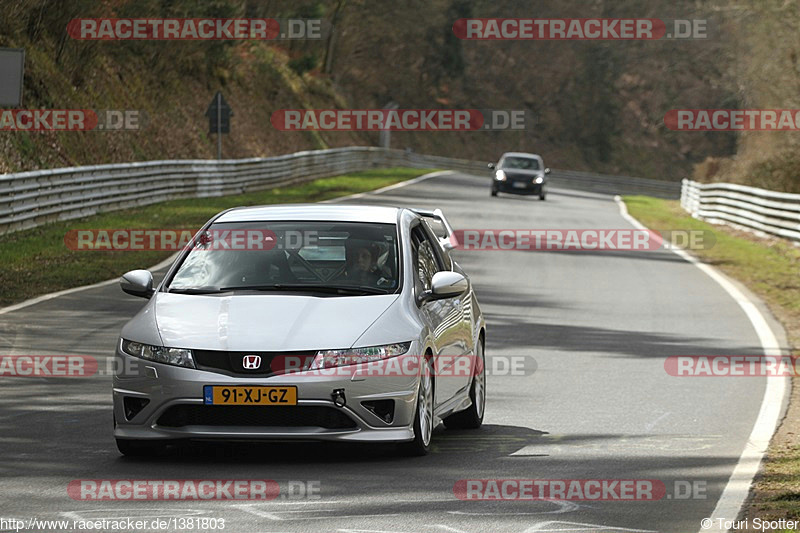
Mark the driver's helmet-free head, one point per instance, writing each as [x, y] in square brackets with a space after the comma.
[361, 255]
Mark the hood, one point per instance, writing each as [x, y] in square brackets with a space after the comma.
[266, 322]
[520, 173]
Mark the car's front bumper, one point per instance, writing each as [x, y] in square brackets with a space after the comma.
[518, 187]
[168, 388]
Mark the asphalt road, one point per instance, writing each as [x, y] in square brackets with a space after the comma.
[599, 406]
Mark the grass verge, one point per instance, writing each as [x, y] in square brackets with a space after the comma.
[37, 261]
[771, 269]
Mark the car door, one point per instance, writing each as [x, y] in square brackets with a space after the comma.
[463, 304]
[442, 316]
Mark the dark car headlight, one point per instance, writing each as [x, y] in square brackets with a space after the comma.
[158, 354]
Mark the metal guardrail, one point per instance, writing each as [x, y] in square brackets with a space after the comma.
[622, 185]
[30, 199]
[746, 207]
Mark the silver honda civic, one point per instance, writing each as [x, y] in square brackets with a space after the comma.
[303, 322]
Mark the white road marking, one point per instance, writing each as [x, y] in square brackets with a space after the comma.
[319, 502]
[95, 514]
[429, 500]
[256, 512]
[448, 528]
[530, 450]
[276, 515]
[650, 425]
[769, 415]
[443, 526]
[370, 531]
[563, 507]
[337, 517]
[542, 527]
[390, 187]
[50, 296]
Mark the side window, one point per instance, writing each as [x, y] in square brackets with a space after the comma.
[426, 259]
[434, 232]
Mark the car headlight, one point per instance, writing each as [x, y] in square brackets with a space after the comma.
[354, 356]
[159, 354]
[500, 175]
[538, 180]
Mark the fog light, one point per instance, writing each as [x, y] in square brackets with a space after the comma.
[383, 409]
[133, 406]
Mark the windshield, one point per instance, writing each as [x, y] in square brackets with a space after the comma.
[332, 257]
[522, 163]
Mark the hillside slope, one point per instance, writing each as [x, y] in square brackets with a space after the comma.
[597, 105]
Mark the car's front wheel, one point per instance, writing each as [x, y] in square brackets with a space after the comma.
[472, 417]
[423, 419]
[494, 191]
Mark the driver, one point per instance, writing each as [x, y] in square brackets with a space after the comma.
[362, 266]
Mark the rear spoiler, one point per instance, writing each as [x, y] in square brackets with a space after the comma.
[449, 242]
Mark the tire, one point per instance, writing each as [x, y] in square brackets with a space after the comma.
[472, 417]
[494, 191]
[542, 196]
[423, 419]
[140, 448]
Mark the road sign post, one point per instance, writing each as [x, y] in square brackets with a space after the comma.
[219, 115]
[219, 122]
[385, 136]
[12, 68]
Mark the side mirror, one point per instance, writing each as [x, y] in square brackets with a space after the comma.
[445, 285]
[491, 166]
[137, 283]
[547, 170]
[448, 284]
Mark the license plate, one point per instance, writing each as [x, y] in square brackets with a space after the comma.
[249, 395]
[519, 184]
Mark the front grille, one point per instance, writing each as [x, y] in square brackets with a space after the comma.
[232, 363]
[263, 416]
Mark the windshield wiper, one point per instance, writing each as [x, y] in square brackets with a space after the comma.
[331, 289]
[197, 290]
